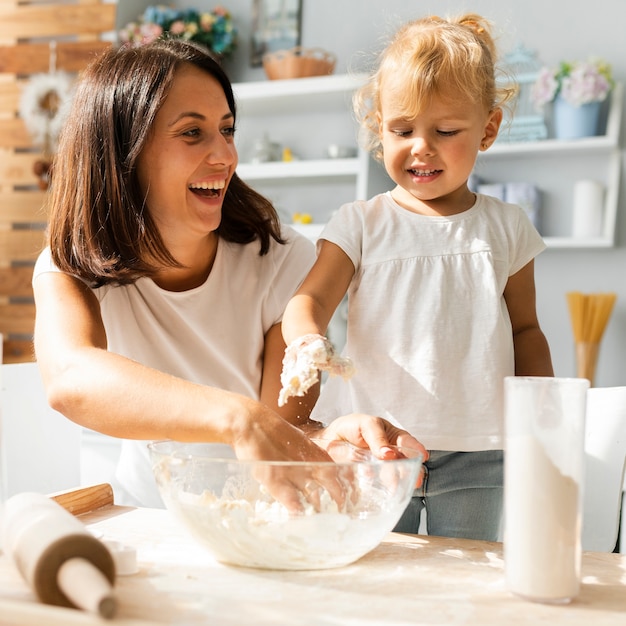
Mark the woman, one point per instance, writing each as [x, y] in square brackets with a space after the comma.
[160, 295]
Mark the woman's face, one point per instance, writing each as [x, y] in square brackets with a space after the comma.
[189, 158]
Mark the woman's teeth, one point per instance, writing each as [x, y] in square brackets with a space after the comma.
[208, 188]
[214, 184]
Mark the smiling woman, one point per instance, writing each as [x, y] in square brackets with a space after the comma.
[186, 167]
[160, 294]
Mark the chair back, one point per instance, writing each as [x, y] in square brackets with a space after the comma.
[39, 447]
[605, 458]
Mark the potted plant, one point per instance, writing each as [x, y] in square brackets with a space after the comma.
[577, 90]
[213, 29]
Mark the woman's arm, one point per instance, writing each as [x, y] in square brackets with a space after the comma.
[532, 353]
[122, 398]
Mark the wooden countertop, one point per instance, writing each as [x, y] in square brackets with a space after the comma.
[406, 580]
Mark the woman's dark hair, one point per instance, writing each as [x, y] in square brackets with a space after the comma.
[99, 228]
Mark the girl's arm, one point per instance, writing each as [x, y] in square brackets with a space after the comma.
[298, 408]
[312, 307]
[532, 353]
[117, 396]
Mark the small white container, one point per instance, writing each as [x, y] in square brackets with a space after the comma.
[587, 212]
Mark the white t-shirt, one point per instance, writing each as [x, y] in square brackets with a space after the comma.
[212, 335]
[428, 328]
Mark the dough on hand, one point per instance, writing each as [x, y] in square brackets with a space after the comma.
[303, 360]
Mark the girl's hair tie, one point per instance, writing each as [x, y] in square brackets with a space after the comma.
[474, 25]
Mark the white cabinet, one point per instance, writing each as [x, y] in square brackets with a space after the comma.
[554, 167]
[305, 115]
[308, 114]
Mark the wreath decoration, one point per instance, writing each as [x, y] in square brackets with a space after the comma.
[44, 105]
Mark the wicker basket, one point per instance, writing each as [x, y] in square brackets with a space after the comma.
[298, 63]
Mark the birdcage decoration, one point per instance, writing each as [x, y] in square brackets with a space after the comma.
[526, 124]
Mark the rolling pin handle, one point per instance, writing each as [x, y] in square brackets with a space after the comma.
[87, 587]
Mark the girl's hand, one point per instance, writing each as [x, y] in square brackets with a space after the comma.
[375, 433]
[369, 431]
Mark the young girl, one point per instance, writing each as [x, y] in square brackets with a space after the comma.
[439, 279]
[160, 294]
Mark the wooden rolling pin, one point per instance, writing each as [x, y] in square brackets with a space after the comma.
[61, 561]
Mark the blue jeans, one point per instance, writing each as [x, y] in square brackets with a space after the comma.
[462, 494]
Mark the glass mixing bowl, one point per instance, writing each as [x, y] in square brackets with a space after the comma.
[285, 515]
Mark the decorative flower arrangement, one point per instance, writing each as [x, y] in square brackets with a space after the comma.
[213, 29]
[577, 83]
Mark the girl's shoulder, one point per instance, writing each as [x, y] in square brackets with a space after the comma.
[496, 209]
[363, 209]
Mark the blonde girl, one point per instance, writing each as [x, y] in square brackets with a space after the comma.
[440, 280]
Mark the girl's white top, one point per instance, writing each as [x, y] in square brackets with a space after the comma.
[213, 334]
[428, 328]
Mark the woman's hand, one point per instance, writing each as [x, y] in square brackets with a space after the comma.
[269, 437]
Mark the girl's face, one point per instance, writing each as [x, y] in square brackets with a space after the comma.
[189, 158]
[431, 156]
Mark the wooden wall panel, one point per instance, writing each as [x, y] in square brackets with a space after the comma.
[9, 96]
[16, 169]
[21, 246]
[13, 134]
[15, 282]
[21, 207]
[29, 30]
[32, 20]
[32, 58]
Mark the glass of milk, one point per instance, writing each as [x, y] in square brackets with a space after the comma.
[543, 474]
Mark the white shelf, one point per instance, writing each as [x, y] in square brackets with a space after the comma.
[319, 93]
[557, 164]
[571, 242]
[293, 170]
[550, 146]
[332, 94]
[265, 105]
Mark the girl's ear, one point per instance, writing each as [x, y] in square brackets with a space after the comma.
[491, 128]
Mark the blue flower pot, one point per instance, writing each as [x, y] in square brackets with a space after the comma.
[573, 122]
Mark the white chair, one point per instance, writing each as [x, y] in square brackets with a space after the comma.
[39, 447]
[605, 457]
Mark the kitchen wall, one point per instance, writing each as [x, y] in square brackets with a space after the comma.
[562, 30]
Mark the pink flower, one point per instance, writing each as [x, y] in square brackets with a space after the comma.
[578, 83]
[177, 27]
[585, 85]
[544, 88]
[149, 32]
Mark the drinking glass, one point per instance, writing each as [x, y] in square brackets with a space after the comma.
[543, 473]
